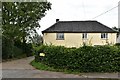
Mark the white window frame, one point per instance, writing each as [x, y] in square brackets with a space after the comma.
[104, 35]
[84, 36]
[59, 36]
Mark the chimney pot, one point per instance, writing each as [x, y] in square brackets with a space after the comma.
[57, 20]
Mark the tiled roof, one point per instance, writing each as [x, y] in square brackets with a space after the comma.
[79, 27]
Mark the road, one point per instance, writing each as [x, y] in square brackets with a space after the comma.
[22, 69]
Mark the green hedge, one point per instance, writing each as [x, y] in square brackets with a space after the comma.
[15, 49]
[83, 59]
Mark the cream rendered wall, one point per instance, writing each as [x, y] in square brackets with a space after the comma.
[75, 39]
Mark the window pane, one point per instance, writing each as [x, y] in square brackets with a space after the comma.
[60, 36]
[104, 35]
[84, 35]
[101, 35]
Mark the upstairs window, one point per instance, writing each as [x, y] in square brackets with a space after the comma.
[60, 36]
[104, 35]
[84, 36]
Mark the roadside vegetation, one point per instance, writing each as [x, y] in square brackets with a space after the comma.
[41, 66]
[19, 23]
[84, 59]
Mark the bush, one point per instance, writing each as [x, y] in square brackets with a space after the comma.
[117, 44]
[15, 49]
[37, 51]
[6, 48]
[10, 51]
[26, 48]
[83, 59]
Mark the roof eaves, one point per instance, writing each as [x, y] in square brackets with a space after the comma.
[80, 32]
[49, 27]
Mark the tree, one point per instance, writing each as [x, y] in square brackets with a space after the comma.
[117, 29]
[19, 19]
[37, 39]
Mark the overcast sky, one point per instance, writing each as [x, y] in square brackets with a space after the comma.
[79, 10]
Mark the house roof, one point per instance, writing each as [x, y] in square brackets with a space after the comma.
[78, 27]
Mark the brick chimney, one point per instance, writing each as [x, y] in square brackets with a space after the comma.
[57, 20]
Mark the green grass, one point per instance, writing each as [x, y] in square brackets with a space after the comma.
[41, 66]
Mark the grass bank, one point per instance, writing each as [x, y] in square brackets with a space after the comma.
[41, 66]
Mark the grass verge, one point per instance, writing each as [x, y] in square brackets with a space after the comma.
[41, 66]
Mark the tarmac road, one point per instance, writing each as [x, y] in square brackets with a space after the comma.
[22, 69]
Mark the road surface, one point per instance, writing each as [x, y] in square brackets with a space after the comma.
[22, 69]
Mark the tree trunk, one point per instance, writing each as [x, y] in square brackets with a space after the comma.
[24, 44]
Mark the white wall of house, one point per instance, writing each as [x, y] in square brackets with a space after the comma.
[76, 40]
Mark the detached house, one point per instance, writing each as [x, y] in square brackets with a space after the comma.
[77, 33]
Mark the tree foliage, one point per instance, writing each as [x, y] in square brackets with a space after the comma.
[20, 20]
[37, 39]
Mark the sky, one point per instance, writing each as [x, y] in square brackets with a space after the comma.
[81, 10]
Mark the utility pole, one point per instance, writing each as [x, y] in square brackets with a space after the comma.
[118, 39]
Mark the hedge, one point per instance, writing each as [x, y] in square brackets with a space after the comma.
[83, 59]
[15, 49]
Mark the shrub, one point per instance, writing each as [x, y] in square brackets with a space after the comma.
[7, 46]
[83, 59]
[26, 48]
[118, 45]
[37, 51]
[15, 49]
